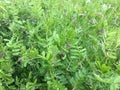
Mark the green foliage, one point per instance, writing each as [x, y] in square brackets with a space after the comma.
[59, 45]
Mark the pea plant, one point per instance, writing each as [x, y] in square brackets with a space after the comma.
[59, 45]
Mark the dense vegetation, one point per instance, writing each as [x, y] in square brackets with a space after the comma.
[59, 45]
